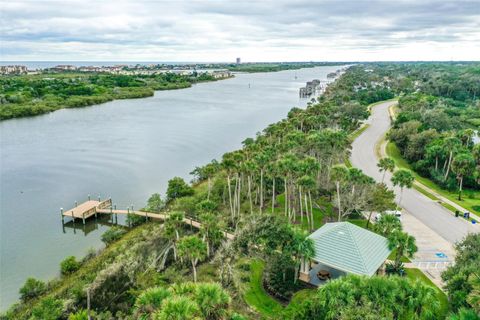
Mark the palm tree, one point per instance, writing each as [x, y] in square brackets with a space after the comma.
[307, 184]
[177, 308]
[173, 225]
[211, 231]
[194, 249]
[301, 248]
[404, 179]
[462, 165]
[450, 145]
[386, 164]
[150, 300]
[212, 300]
[262, 160]
[175, 220]
[424, 301]
[403, 243]
[387, 224]
[209, 171]
[228, 164]
[434, 151]
[339, 173]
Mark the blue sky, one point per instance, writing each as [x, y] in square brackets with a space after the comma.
[219, 30]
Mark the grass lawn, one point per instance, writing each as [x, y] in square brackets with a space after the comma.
[468, 202]
[256, 296]
[416, 274]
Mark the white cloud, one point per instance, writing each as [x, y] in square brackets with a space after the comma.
[255, 30]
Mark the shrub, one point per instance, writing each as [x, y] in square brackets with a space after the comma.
[32, 289]
[134, 220]
[390, 268]
[113, 234]
[48, 309]
[178, 188]
[80, 315]
[69, 265]
[206, 206]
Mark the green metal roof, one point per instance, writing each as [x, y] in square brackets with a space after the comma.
[347, 247]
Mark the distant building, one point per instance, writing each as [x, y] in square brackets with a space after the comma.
[239, 61]
[17, 69]
[65, 67]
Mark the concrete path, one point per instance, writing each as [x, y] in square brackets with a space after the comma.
[433, 226]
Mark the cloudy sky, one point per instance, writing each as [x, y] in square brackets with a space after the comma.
[220, 30]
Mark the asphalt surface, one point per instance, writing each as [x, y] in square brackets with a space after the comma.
[433, 215]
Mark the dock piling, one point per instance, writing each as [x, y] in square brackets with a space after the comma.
[88, 197]
[61, 213]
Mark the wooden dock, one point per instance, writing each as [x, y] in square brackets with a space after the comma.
[92, 207]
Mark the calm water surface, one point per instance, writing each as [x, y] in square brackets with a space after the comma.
[126, 149]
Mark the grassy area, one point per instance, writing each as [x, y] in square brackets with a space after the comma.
[467, 202]
[256, 296]
[416, 274]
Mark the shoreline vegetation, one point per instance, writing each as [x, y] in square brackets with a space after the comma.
[279, 187]
[31, 95]
[275, 67]
[50, 90]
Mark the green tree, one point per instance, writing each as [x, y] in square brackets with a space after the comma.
[178, 188]
[386, 164]
[404, 245]
[155, 203]
[380, 199]
[69, 265]
[404, 179]
[32, 289]
[462, 165]
[193, 249]
[460, 278]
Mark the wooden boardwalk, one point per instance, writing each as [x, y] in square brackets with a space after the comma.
[92, 208]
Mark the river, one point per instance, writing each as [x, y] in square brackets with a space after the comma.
[124, 149]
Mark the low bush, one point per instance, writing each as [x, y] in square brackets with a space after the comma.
[32, 289]
[69, 265]
[113, 234]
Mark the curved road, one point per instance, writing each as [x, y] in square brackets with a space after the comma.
[431, 214]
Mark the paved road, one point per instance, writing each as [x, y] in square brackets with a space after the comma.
[425, 210]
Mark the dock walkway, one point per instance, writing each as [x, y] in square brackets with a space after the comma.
[92, 208]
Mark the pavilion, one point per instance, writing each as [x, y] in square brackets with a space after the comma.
[343, 248]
